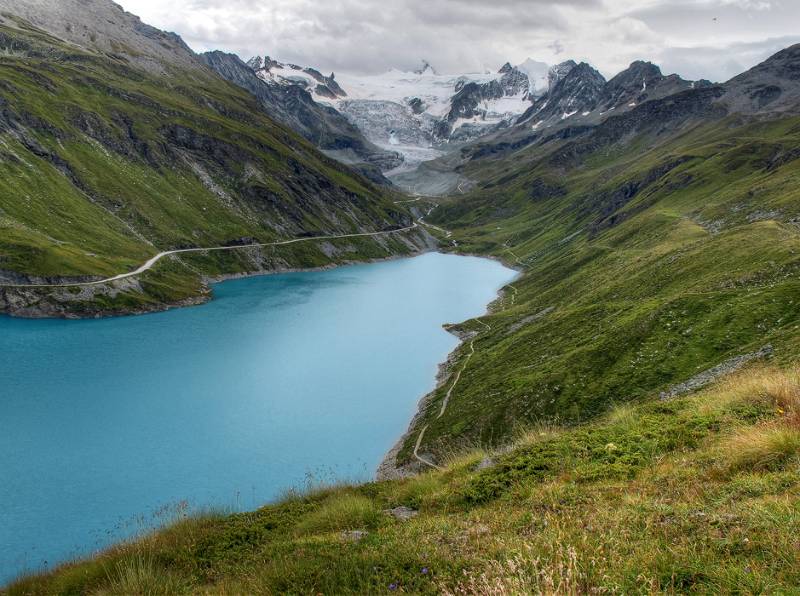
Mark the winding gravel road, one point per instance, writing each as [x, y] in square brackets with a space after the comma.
[447, 396]
[151, 263]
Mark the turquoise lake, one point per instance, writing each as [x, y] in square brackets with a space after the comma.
[107, 425]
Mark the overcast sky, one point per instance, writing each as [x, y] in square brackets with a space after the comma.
[714, 39]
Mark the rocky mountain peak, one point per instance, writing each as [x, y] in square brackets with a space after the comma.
[581, 83]
[256, 63]
[505, 69]
[309, 79]
[638, 72]
[103, 26]
[576, 89]
[772, 86]
[558, 72]
[514, 82]
[266, 64]
[425, 69]
[631, 86]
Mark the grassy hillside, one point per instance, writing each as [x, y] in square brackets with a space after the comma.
[698, 494]
[104, 165]
[643, 264]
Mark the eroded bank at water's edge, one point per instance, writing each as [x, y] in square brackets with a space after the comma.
[390, 468]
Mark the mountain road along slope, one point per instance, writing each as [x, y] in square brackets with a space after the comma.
[152, 262]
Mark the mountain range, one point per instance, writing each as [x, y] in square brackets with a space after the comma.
[415, 113]
[423, 114]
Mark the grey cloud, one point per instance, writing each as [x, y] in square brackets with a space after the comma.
[457, 35]
[727, 62]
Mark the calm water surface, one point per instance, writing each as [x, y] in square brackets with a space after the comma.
[280, 379]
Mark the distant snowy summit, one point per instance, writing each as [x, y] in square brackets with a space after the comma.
[310, 79]
[579, 95]
[419, 112]
[423, 113]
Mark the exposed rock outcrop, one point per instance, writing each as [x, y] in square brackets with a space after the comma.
[772, 86]
[104, 27]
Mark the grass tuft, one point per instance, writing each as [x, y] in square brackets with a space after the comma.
[760, 448]
[523, 575]
[140, 574]
[775, 387]
[341, 512]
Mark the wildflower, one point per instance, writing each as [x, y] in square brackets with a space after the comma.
[424, 571]
[393, 586]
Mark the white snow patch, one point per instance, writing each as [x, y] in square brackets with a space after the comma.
[435, 90]
[289, 75]
[537, 74]
[462, 121]
[500, 109]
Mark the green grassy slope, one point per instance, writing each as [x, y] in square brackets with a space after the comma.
[642, 265]
[104, 165]
[698, 494]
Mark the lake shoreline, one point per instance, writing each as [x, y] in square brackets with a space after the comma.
[34, 308]
[389, 469]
